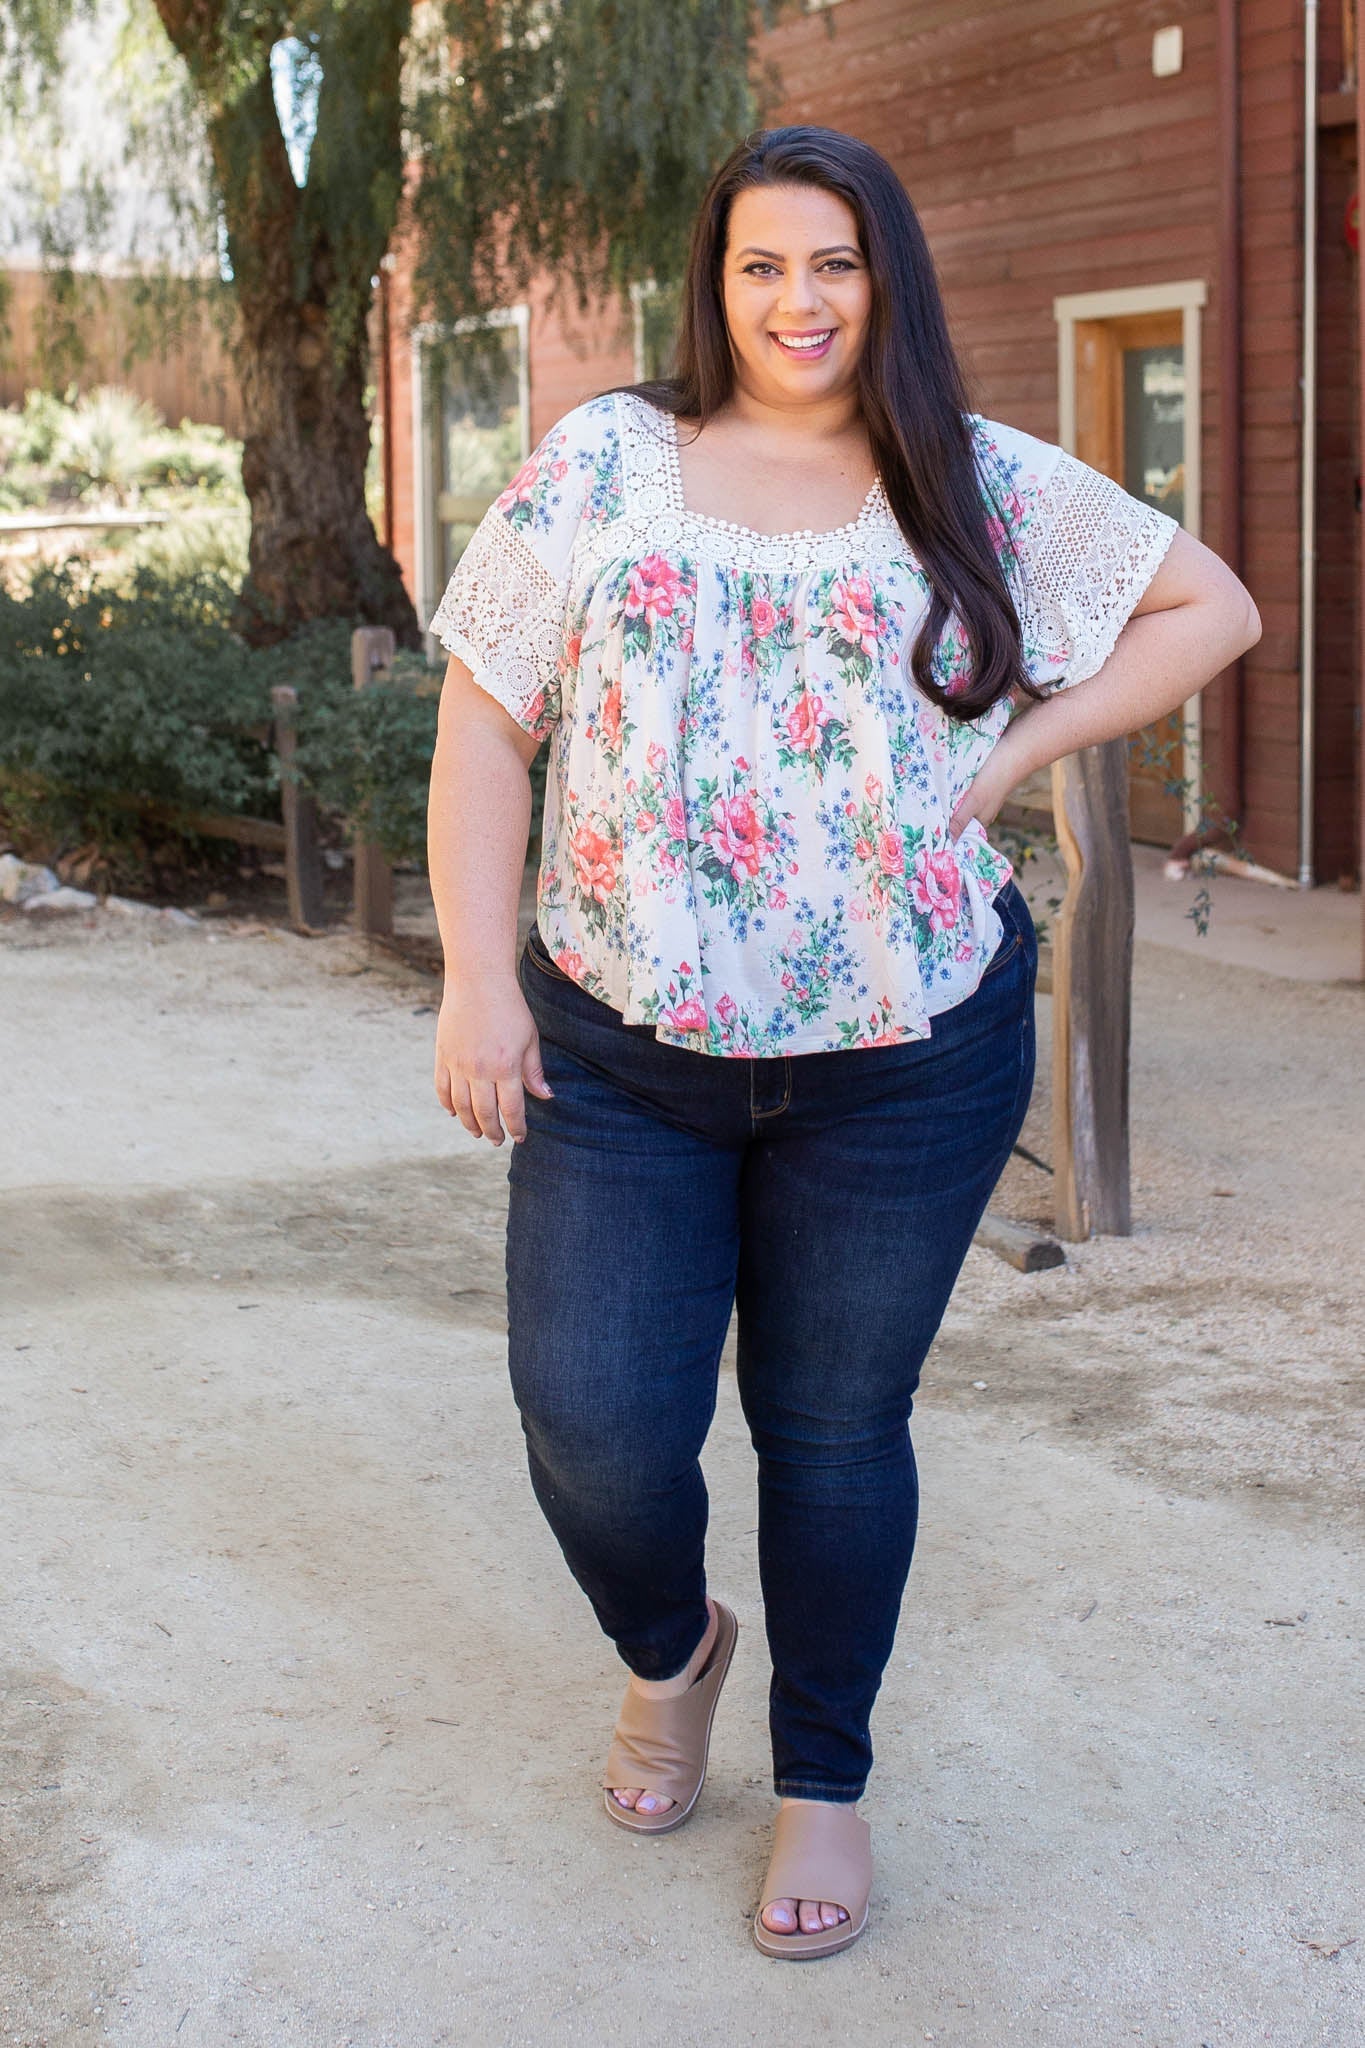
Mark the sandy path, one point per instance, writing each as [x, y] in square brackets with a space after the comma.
[303, 1717]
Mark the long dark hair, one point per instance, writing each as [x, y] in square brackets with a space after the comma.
[913, 395]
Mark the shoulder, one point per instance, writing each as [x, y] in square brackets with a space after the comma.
[571, 472]
[1018, 462]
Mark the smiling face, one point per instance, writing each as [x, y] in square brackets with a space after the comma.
[797, 293]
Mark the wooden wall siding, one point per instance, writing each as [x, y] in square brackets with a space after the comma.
[575, 355]
[1337, 611]
[195, 379]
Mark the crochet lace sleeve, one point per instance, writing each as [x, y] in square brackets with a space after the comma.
[1085, 551]
[504, 609]
[503, 614]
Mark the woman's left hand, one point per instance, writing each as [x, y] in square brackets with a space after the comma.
[983, 796]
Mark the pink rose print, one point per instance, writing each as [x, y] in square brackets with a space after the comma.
[764, 616]
[655, 757]
[804, 722]
[873, 786]
[727, 1010]
[891, 853]
[736, 836]
[520, 488]
[855, 612]
[571, 962]
[675, 818]
[688, 1016]
[937, 888]
[652, 588]
[645, 821]
[964, 952]
[777, 900]
[573, 650]
[611, 716]
[863, 848]
[535, 710]
[594, 862]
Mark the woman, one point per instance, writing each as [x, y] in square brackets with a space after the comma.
[771, 1040]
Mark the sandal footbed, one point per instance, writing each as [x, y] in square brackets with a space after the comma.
[683, 1783]
[821, 1850]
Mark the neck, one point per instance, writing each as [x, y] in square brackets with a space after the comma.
[831, 417]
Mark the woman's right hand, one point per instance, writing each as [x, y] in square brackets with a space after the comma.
[487, 1055]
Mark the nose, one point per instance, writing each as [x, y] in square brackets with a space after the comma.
[801, 293]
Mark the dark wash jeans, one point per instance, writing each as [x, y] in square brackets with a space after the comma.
[831, 1197]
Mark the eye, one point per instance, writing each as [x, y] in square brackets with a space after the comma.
[838, 264]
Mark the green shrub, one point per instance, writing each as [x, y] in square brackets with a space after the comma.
[104, 444]
[120, 701]
[124, 704]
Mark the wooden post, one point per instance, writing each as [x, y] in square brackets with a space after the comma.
[302, 859]
[1092, 980]
[372, 649]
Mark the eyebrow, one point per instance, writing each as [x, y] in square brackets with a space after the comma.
[838, 249]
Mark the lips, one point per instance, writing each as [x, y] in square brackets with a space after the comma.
[815, 343]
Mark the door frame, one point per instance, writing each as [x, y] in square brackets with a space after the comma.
[1187, 297]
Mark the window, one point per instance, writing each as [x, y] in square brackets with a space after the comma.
[656, 308]
[473, 433]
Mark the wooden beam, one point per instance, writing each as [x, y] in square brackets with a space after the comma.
[302, 855]
[1092, 978]
[1019, 1244]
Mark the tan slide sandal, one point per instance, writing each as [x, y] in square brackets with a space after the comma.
[662, 1745]
[821, 1850]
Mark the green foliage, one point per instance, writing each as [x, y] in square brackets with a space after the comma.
[367, 753]
[118, 701]
[108, 444]
[102, 452]
[120, 704]
[195, 456]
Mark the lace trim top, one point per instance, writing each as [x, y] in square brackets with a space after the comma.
[747, 799]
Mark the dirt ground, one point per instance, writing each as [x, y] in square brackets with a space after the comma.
[302, 1716]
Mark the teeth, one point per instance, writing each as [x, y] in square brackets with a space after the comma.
[804, 340]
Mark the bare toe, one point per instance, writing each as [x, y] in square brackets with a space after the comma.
[808, 1914]
[779, 1916]
[650, 1802]
[628, 1798]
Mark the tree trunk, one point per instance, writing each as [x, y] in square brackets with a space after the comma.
[302, 259]
[314, 552]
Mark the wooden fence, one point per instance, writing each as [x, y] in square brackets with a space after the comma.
[192, 377]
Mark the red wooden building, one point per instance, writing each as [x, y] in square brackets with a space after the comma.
[1115, 195]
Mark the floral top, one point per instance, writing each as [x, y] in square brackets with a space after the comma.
[746, 835]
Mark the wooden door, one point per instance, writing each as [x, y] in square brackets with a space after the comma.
[1130, 423]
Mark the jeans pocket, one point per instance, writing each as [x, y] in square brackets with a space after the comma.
[539, 956]
[1012, 938]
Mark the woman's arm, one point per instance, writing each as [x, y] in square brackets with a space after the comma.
[1192, 620]
[478, 824]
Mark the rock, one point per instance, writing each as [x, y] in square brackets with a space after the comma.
[60, 899]
[22, 880]
[128, 906]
